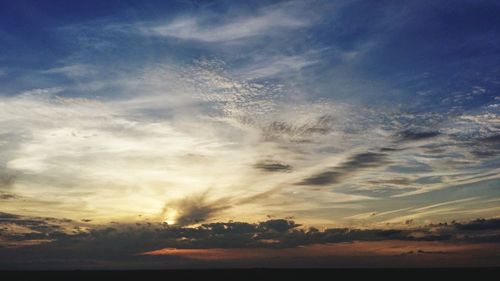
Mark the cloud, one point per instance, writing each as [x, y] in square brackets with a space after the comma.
[193, 210]
[151, 147]
[272, 66]
[394, 181]
[324, 178]
[130, 239]
[363, 160]
[349, 167]
[18, 231]
[7, 216]
[485, 147]
[266, 22]
[272, 166]
[377, 191]
[299, 131]
[492, 140]
[8, 196]
[73, 71]
[279, 225]
[266, 104]
[479, 224]
[6, 180]
[411, 135]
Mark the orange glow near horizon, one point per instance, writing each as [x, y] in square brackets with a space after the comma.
[356, 249]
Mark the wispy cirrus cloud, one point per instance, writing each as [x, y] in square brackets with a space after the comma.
[73, 71]
[324, 144]
[268, 21]
[273, 66]
[192, 126]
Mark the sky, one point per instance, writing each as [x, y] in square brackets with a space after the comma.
[182, 134]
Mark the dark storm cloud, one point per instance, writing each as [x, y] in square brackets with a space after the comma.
[324, 178]
[394, 181]
[383, 187]
[18, 231]
[8, 196]
[279, 225]
[410, 135]
[196, 209]
[479, 224]
[483, 153]
[352, 165]
[115, 243]
[7, 216]
[272, 166]
[280, 129]
[40, 227]
[389, 149]
[383, 192]
[6, 179]
[283, 233]
[482, 147]
[493, 140]
[363, 160]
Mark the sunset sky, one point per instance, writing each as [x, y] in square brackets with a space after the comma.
[151, 134]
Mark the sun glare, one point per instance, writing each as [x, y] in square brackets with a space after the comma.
[170, 216]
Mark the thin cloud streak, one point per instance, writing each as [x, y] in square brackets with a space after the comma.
[267, 22]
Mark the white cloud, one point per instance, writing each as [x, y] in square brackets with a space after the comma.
[73, 70]
[271, 66]
[192, 28]
[177, 131]
[126, 157]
